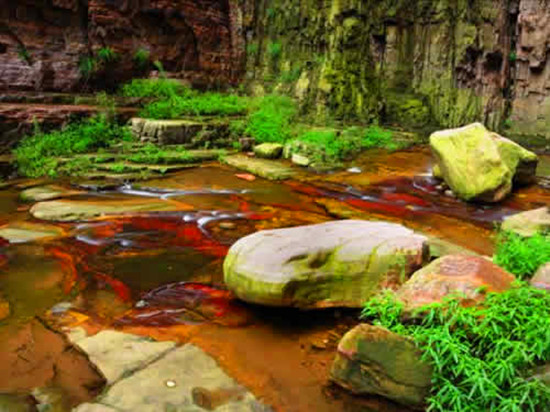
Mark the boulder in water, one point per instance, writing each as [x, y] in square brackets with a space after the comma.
[374, 361]
[334, 264]
[479, 165]
[528, 223]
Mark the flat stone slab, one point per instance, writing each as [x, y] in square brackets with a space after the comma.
[118, 354]
[528, 223]
[268, 169]
[72, 210]
[168, 385]
[21, 232]
[48, 192]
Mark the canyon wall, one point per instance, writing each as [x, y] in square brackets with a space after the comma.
[51, 45]
[421, 64]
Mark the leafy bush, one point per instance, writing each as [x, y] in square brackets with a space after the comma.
[196, 104]
[252, 49]
[522, 256]
[37, 154]
[141, 58]
[87, 66]
[154, 88]
[23, 54]
[271, 119]
[275, 49]
[375, 136]
[107, 55]
[481, 355]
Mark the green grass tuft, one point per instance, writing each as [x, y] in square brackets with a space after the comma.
[520, 255]
[154, 88]
[37, 154]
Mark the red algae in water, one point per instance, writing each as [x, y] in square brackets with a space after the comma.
[186, 302]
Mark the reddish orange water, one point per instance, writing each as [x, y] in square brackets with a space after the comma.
[160, 274]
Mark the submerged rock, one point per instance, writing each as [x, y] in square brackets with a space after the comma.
[269, 150]
[48, 192]
[374, 361]
[541, 280]
[453, 274]
[334, 264]
[479, 165]
[170, 383]
[21, 232]
[528, 223]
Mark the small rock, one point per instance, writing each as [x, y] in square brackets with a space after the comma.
[212, 399]
[269, 150]
[300, 160]
[541, 280]
[449, 193]
[227, 225]
[247, 143]
[354, 170]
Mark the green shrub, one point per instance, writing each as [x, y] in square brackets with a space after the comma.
[522, 256]
[154, 88]
[271, 119]
[141, 58]
[24, 54]
[87, 66]
[290, 76]
[481, 355]
[375, 136]
[196, 104]
[252, 49]
[275, 49]
[107, 55]
[37, 154]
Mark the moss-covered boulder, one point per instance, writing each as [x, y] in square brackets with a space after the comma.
[269, 150]
[453, 274]
[268, 169]
[528, 223]
[374, 361]
[479, 165]
[334, 264]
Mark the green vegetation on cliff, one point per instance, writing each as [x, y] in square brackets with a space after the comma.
[482, 355]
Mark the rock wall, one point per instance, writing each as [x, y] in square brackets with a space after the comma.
[434, 61]
[44, 42]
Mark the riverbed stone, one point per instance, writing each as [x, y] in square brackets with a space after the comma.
[269, 150]
[72, 210]
[21, 232]
[541, 280]
[268, 169]
[371, 360]
[48, 192]
[528, 223]
[165, 131]
[479, 165]
[118, 354]
[168, 383]
[334, 264]
[453, 274]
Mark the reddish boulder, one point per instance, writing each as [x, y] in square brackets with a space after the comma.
[453, 274]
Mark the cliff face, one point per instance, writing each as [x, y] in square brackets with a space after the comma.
[43, 43]
[447, 60]
[421, 64]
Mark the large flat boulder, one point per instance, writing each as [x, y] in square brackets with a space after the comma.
[453, 274]
[374, 361]
[479, 165]
[528, 223]
[334, 264]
